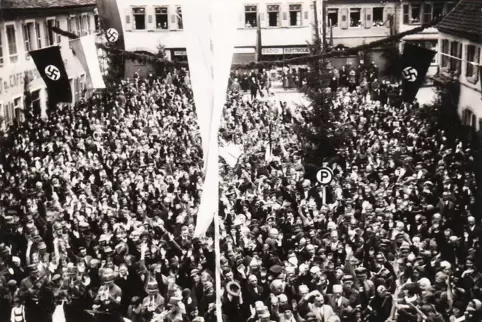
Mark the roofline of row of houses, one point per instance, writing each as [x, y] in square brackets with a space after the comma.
[12, 14]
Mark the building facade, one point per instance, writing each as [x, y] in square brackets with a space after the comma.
[459, 58]
[25, 26]
[413, 13]
[286, 28]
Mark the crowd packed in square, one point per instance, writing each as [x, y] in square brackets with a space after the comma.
[100, 200]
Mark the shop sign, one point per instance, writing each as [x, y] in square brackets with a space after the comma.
[297, 51]
[16, 80]
[180, 53]
[272, 51]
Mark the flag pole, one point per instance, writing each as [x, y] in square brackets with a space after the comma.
[217, 252]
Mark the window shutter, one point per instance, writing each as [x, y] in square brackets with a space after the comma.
[261, 17]
[477, 59]
[368, 17]
[285, 16]
[344, 18]
[306, 15]
[173, 18]
[242, 22]
[128, 13]
[388, 16]
[149, 19]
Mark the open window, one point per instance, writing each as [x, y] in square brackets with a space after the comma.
[355, 18]
[378, 17]
[295, 15]
[333, 17]
[162, 18]
[273, 16]
[139, 18]
[251, 16]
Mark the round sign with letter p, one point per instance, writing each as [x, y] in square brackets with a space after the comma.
[324, 176]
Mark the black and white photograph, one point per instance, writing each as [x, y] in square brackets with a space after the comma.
[240, 161]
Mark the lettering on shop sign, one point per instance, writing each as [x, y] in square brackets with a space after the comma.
[16, 79]
[297, 50]
[272, 51]
[180, 53]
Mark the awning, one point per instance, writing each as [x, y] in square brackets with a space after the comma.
[243, 58]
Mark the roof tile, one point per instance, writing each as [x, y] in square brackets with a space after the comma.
[39, 4]
[464, 20]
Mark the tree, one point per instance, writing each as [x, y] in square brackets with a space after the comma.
[320, 136]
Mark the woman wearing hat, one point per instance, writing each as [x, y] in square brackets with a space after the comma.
[153, 303]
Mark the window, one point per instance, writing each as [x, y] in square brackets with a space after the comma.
[57, 24]
[162, 21]
[468, 118]
[437, 10]
[415, 13]
[89, 26]
[333, 17]
[78, 24]
[139, 18]
[49, 34]
[28, 32]
[355, 17]
[83, 22]
[96, 22]
[39, 38]
[445, 50]
[77, 89]
[18, 109]
[295, 15]
[455, 51]
[180, 24]
[251, 16]
[71, 25]
[35, 96]
[273, 16]
[450, 6]
[472, 56]
[406, 15]
[83, 86]
[1, 50]
[427, 13]
[12, 43]
[377, 17]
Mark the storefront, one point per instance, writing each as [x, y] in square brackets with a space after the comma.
[179, 55]
[281, 53]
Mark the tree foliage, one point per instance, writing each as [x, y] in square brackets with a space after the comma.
[320, 134]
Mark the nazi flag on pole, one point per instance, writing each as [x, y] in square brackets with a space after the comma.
[415, 63]
[51, 67]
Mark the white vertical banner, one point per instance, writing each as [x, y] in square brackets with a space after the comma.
[210, 30]
[85, 50]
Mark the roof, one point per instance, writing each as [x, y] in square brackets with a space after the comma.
[40, 4]
[464, 20]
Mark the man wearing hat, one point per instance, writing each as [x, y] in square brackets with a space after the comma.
[37, 296]
[108, 299]
[338, 302]
[153, 303]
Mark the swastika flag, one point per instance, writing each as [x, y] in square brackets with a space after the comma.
[415, 63]
[51, 67]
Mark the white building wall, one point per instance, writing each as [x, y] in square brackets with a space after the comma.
[173, 37]
[470, 101]
[13, 67]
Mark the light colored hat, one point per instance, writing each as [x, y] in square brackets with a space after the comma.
[337, 288]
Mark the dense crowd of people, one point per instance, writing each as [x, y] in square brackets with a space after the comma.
[99, 206]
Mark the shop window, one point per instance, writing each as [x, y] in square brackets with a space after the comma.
[162, 20]
[378, 17]
[333, 17]
[12, 43]
[273, 16]
[250, 16]
[472, 59]
[139, 18]
[295, 15]
[355, 17]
